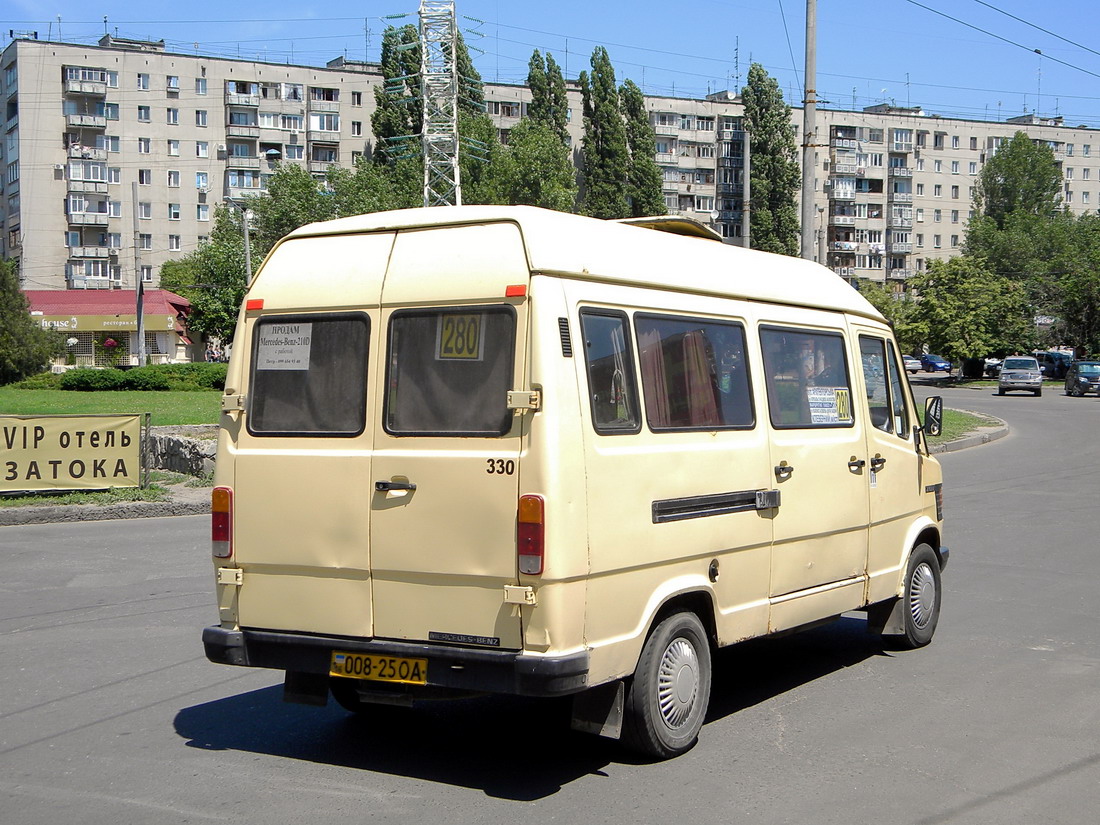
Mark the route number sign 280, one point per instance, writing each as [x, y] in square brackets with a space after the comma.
[459, 337]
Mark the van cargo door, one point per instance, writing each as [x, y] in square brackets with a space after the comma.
[446, 466]
[302, 448]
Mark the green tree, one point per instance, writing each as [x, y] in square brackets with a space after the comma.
[774, 176]
[900, 310]
[1022, 177]
[397, 116]
[558, 99]
[25, 348]
[536, 170]
[212, 277]
[293, 199]
[549, 104]
[604, 148]
[643, 178]
[965, 310]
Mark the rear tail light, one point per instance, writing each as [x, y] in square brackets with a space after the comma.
[221, 522]
[530, 535]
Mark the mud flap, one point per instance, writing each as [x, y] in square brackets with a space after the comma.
[886, 618]
[599, 710]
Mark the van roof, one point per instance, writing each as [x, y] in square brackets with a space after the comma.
[631, 254]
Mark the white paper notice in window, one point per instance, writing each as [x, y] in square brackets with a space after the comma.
[284, 347]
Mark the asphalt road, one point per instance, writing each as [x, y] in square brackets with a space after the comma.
[109, 713]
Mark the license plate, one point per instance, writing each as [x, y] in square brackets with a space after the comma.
[379, 668]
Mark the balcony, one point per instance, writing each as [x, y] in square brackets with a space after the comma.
[844, 169]
[900, 223]
[94, 187]
[901, 146]
[91, 251]
[900, 273]
[87, 152]
[901, 172]
[239, 193]
[88, 218]
[844, 143]
[844, 246]
[842, 195]
[844, 271]
[735, 162]
[234, 99]
[243, 131]
[731, 134]
[324, 105]
[666, 157]
[665, 131]
[730, 216]
[242, 161]
[901, 197]
[735, 189]
[86, 121]
[899, 248]
[320, 166]
[842, 220]
[316, 136]
[86, 87]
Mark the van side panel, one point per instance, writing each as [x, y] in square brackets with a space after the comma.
[552, 466]
[640, 560]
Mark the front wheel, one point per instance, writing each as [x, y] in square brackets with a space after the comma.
[1038, 393]
[668, 696]
[922, 597]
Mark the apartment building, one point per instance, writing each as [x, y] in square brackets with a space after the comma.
[115, 156]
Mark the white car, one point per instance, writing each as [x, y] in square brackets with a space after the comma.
[1020, 373]
[911, 364]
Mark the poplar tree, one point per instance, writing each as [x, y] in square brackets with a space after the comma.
[1021, 178]
[644, 176]
[25, 348]
[774, 176]
[604, 148]
[397, 111]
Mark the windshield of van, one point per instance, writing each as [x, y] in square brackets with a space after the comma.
[449, 371]
[1020, 364]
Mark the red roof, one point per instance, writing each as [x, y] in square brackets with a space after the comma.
[104, 302]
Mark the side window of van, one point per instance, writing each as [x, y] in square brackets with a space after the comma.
[806, 373]
[309, 375]
[898, 399]
[886, 401]
[449, 371]
[694, 373]
[611, 384]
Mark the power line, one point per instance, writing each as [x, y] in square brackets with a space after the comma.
[1034, 26]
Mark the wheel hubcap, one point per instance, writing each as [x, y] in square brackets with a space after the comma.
[922, 595]
[677, 682]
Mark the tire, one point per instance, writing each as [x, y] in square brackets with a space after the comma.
[1000, 391]
[921, 599]
[1038, 393]
[667, 699]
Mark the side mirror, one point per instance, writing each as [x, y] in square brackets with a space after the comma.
[933, 415]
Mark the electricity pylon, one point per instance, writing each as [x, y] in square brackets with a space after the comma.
[439, 98]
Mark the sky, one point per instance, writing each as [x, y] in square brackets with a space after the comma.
[982, 59]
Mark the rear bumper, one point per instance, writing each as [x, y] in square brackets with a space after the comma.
[459, 668]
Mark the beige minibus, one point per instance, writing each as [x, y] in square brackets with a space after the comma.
[506, 450]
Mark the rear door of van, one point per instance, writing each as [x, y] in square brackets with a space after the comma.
[447, 449]
[301, 451]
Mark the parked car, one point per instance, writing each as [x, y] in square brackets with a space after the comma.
[1083, 377]
[1053, 363]
[911, 363]
[1020, 372]
[934, 363]
[992, 367]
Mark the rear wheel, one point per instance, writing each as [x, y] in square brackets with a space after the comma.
[1000, 391]
[668, 696]
[1038, 393]
[922, 597]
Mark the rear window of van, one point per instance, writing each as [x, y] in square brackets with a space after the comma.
[449, 371]
[309, 375]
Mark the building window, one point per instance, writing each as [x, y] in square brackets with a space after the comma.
[920, 216]
[954, 216]
[114, 240]
[955, 192]
[173, 178]
[144, 146]
[200, 85]
[145, 210]
[954, 141]
[1069, 173]
[143, 81]
[114, 209]
[202, 149]
[920, 239]
[356, 128]
[937, 191]
[110, 142]
[973, 167]
[954, 167]
[324, 122]
[202, 180]
[145, 177]
[1084, 197]
[937, 140]
[173, 117]
[936, 215]
[356, 98]
[332, 95]
[1084, 174]
[920, 188]
[147, 274]
[172, 84]
[110, 111]
[114, 174]
[938, 166]
[145, 241]
[1069, 150]
[173, 148]
[973, 144]
[200, 117]
[293, 151]
[173, 211]
[954, 241]
[202, 212]
[936, 241]
[174, 243]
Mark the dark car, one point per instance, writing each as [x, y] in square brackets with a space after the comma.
[1053, 363]
[1083, 377]
[934, 363]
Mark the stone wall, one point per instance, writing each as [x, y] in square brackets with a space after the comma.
[185, 449]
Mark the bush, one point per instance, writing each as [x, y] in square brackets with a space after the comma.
[41, 381]
[90, 380]
[145, 378]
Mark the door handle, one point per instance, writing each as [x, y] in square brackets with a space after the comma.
[784, 471]
[856, 464]
[387, 486]
[877, 463]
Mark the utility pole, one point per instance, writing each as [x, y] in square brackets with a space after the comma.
[139, 285]
[809, 132]
[439, 98]
[246, 215]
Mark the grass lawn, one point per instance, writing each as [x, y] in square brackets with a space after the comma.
[957, 424]
[167, 407]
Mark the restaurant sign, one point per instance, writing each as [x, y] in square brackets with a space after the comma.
[72, 323]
